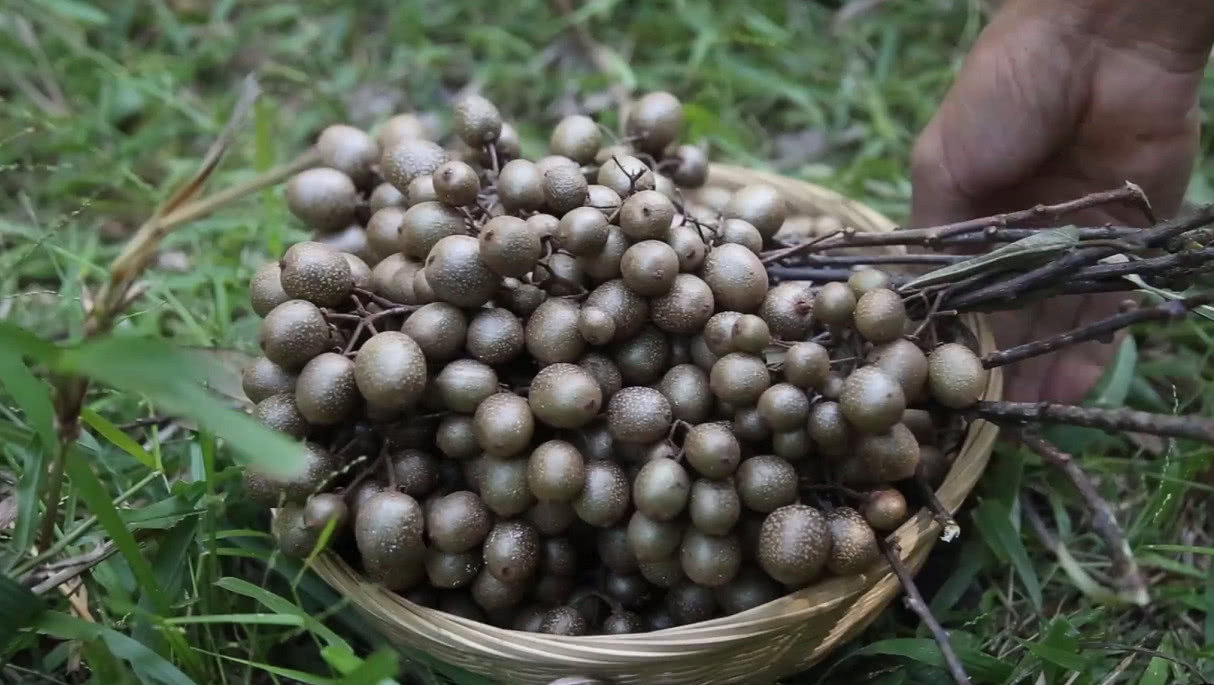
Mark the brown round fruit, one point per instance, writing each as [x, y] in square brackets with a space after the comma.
[880, 316]
[794, 544]
[872, 400]
[565, 396]
[955, 375]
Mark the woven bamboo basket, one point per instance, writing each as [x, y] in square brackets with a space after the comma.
[759, 645]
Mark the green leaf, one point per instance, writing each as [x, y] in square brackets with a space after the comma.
[925, 651]
[18, 606]
[994, 522]
[118, 438]
[94, 495]
[30, 394]
[34, 399]
[148, 666]
[971, 561]
[174, 380]
[1036, 247]
[1068, 660]
[249, 619]
[283, 606]
[161, 515]
[301, 676]
[1156, 672]
[380, 667]
[75, 9]
[14, 338]
[1110, 392]
[1182, 549]
[1204, 311]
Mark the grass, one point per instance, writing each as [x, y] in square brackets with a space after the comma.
[103, 110]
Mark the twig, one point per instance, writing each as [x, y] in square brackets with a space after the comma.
[126, 268]
[1166, 311]
[1190, 427]
[936, 234]
[1114, 647]
[79, 565]
[1072, 261]
[1079, 578]
[915, 602]
[1154, 265]
[798, 249]
[949, 528]
[1129, 580]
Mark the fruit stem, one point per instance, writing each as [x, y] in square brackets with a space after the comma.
[949, 528]
[915, 602]
[1129, 580]
[1166, 311]
[1019, 413]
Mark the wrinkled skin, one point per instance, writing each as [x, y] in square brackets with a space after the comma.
[1056, 100]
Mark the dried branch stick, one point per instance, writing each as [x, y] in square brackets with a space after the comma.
[1128, 579]
[1129, 420]
[1166, 311]
[1074, 260]
[179, 208]
[949, 528]
[933, 236]
[915, 602]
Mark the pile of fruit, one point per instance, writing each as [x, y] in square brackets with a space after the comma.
[562, 395]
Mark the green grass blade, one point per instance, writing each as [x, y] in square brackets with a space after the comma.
[244, 619]
[119, 439]
[1182, 549]
[18, 606]
[34, 399]
[283, 606]
[300, 676]
[94, 495]
[173, 380]
[148, 666]
[994, 522]
[380, 667]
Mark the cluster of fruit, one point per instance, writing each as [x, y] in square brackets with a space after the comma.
[558, 396]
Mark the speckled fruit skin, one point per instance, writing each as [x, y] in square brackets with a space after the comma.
[853, 544]
[638, 415]
[955, 376]
[390, 370]
[880, 316]
[605, 498]
[794, 544]
[872, 400]
[388, 531]
[326, 392]
[565, 396]
[737, 278]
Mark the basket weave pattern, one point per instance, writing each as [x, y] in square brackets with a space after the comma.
[758, 645]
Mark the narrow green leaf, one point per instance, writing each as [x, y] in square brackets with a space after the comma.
[971, 561]
[1110, 392]
[341, 659]
[34, 399]
[1156, 672]
[94, 495]
[1061, 657]
[380, 667]
[1182, 549]
[31, 395]
[1043, 244]
[170, 564]
[16, 339]
[162, 515]
[305, 678]
[29, 487]
[283, 606]
[174, 380]
[18, 606]
[119, 439]
[259, 619]
[994, 522]
[77, 10]
[148, 666]
[925, 651]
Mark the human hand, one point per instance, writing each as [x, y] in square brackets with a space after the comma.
[1057, 100]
